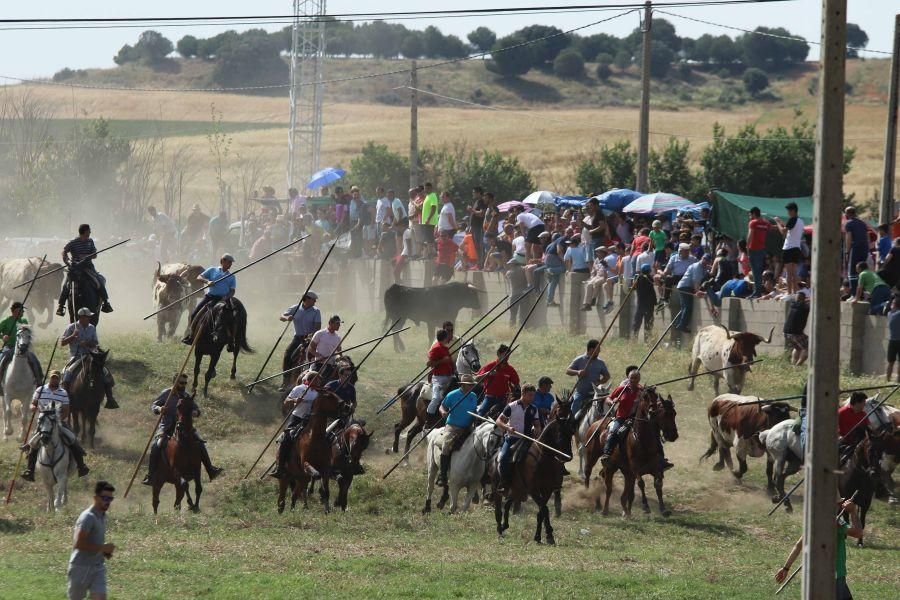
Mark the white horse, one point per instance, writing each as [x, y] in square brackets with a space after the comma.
[783, 447]
[19, 382]
[55, 462]
[468, 362]
[599, 405]
[466, 465]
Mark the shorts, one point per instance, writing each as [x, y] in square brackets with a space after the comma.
[797, 341]
[893, 352]
[426, 234]
[791, 256]
[85, 578]
[659, 257]
[533, 233]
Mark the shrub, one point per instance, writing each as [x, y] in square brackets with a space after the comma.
[603, 71]
[569, 65]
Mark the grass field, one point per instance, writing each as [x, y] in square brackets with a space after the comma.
[717, 544]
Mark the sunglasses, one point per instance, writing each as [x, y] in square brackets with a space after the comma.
[107, 499]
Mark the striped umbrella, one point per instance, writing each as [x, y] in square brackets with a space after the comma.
[654, 204]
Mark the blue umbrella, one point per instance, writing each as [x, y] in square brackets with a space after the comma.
[617, 198]
[325, 177]
[569, 201]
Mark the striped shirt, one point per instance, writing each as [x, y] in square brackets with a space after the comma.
[79, 248]
[45, 396]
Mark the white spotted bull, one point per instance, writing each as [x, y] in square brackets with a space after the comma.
[715, 347]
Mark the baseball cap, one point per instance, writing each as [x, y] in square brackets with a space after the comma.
[311, 294]
[645, 268]
[54, 373]
[707, 256]
[657, 223]
[545, 381]
[85, 312]
[227, 257]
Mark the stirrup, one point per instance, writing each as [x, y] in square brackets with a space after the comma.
[106, 308]
[147, 480]
[61, 311]
[28, 475]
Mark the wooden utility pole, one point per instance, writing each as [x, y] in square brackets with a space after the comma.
[890, 141]
[821, 461]
[413, 127]
[643, 184]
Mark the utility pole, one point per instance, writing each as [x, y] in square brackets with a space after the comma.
[821, 461]
[643, 184]
[413, 126]
[890, 141]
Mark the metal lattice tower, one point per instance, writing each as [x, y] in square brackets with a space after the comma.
[307, 63]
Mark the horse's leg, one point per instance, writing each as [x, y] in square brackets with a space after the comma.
[210, 372]
[607, 484]
[644, 504]
[198, 489]
[326, 493]
[498, 513]
[770, 484]
[92, 425]
[658, 484]
[198, 359]
[156, 487]
[282, 491]
[234, 362]
[431, 475]
[557, 503]
[548, 528]
[627, 497]
[542, 506]
[506, 513]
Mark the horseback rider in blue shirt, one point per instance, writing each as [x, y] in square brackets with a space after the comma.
[223, 286]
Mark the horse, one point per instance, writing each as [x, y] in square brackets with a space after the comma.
[538, 475]
[55, 462]
[346, 452]
[180, 460]
[224, 324]
[467, 465]
[589, 416]
[413, 402]
[86, 392]
[637, 452]
[784, 450]
[327, 372]
[19, 381]
[310, 454]
[860, 475]
[83, 293]
[468, 361]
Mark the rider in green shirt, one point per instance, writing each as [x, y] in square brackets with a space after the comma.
[8, 331]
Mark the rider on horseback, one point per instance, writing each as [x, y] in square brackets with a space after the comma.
[167, 427]
[325, 343]
[456, 407]
[81, 338]
[307, 320]
[343, 388]
[497, 381]
[442, 366]
[78, 254]
[519, 416]
[48, 397]
[301, 399]
[627, 395]
[9, 328]
[224, 287]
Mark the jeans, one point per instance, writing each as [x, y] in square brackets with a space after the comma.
[488, 403]
[553, 274]
[879, 297]
[803, 431]
[478, 238]
[757, 266]
[207, 299]
[683, 318]
[439, 385]
[612, 432]
[510, 443]
[856, 255]
[578, 398]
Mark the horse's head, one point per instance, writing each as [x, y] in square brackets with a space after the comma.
[558, 434]
[343, 362]
[47, 425]
[562, 411]
[357, 440]
[470, 357]
[223, 321]
[23, 339]
[184, 409]
[662, 411]
[326, 404]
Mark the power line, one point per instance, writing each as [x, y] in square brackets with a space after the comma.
[765, 34]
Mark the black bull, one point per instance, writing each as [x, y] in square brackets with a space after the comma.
[431, 305]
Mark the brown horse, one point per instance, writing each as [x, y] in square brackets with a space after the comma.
[412, 408]
[310, 454]
[181, 460]
[637, 452]
[86, 393]
[537, 475]
[224, 324]
[346, 452]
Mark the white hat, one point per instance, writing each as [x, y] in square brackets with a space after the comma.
[683, 246]
[85, 312]
[657, 223]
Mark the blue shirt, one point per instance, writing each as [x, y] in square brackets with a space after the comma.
[738, 288]
[543, 401]
[459, 410]
[693, 277]
[220, 288]
[859, 234]
[884, 246]
[894, 324]
[307, 321]
[345, 391]
[576, 255]
[677, 266]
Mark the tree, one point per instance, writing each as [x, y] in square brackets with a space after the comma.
[622, 60]
[152, 47]
[433, 42]
[125, 55]
[755, 81]
[569, 65]
[377, 166]
[611, 167]
[723, 50]
[252, 58]
[548, 41]
[603, 71]
[856, 38]
[380, 39]
[209, 48]
[187, 46]
[511, 62]
[662, 31]
[670, 170]
[482, 39]
[453, 47]
[592, 46]
[700, 49]
[661, 59]
[412, 46]
[772, 53]
[458, 170]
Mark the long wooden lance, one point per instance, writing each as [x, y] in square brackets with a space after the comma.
[523, 436]
[615, 401]
[871, 387]
[343, 351]
[31, 285]
[231, 274]
[462, 341]
[12, 482]
[197, 335]
[710, 372]
[300, 399]
[440, 422]
[74, 263]
[293, 314]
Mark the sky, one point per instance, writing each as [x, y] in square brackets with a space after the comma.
[42, 53]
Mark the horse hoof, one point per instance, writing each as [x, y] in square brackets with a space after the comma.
[788, 508]
[604, 513]
[667, 513]
[775, 499]
[195, 509]
[280, 509]
[718, 467]
[551, 541]
[737, 475]
[646, 510]
[537, 540]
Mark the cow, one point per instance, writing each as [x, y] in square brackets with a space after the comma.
[431, 305]
[734, 421]
[15, 271]
[188, 274]
[715, 347]
[168, 288]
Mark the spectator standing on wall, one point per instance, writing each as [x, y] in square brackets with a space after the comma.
[856, 245]
[791, 254]
[893, 349]
[477, 211]
[757, 229]
[794, 329]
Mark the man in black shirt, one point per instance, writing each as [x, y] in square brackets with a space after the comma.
[78, 254]
[890, 266]
[646, 302]
[794, 325]
[476, 220]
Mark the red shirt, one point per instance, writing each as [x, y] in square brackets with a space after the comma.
[847, 419]
[437, 352]
[497, 384]
[758, 230]
[637, 244]
[626, 395]
[446, 251]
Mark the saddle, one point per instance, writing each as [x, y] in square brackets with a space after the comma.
[89, 274]
[458, 443]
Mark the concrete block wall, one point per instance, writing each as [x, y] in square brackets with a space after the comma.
[863, 338]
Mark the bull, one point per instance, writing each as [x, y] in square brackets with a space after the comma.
[735, 421]
[17, 271]
[188, 274]
[167, 289]
[431, 305]
[715, 347]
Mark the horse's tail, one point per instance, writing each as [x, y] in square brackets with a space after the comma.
[713, 446]
[241, 329]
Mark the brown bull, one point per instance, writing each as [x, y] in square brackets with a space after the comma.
[716, 347]
[17, 271]
[167, 289]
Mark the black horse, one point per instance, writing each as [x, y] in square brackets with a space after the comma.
[224, 324]
[83, 293]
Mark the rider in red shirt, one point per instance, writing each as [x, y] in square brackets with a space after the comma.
[497, 384]
[441, 364]
[850, 415]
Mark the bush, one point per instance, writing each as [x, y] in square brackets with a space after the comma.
[511, 63]
[412, 46]
[622, 60]
[569, 65]
[457, 170]
[604, 59]
[755, 81]
[603, 71]
[377, 166]
[670, 170]
[613, 166]
[187, 46]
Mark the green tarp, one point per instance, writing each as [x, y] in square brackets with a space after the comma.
[731, 213]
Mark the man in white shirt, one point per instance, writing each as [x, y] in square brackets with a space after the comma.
[791, 254]
[383, 214]
[531, 227]
[325, 343]
[447, 217]
[299, 401]
[398, 211]
[646, 257]
[165, 230]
